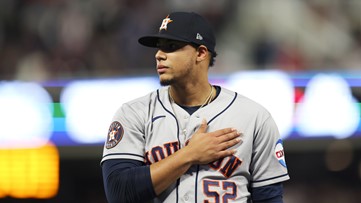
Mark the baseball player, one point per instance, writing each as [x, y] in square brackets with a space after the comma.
[191, 141]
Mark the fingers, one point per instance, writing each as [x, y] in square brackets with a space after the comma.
[203, 127]
[227, 134]
[228, 144]
[224, 134]
[226, 153]
[224, 131]
[210, 146]
[228, 139]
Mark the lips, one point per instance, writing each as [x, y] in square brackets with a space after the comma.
[161, 69]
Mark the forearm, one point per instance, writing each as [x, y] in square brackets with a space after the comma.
[268, 194]
[167, 171]
[127, 181]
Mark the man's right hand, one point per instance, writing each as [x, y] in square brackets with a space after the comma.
[205, 147]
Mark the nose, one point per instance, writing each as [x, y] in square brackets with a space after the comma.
[160, 55]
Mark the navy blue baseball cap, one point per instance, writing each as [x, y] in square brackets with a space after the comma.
[186, 27]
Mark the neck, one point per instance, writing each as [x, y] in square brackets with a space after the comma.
[192, 96]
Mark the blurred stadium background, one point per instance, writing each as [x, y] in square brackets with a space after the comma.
[66, 65]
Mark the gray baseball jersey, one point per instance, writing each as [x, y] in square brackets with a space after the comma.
[152, 127]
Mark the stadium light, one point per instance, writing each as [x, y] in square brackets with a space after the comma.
[328, 108]
[26, 115]
[90, 105]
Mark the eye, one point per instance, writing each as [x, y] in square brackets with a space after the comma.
[170, 46]
[173, 46]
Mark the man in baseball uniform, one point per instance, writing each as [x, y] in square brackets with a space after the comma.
[191, 141]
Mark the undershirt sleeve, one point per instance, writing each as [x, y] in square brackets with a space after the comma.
[126, 181]
[268, 194]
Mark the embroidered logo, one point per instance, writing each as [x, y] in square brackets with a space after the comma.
[165, 23]
[115, 134]
[279, 152]
[199, 36]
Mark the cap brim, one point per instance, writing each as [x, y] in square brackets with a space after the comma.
[152, 40]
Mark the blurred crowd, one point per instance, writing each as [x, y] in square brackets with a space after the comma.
[43, 40]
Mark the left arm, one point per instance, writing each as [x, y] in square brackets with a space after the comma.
[268, 168]
[268, 194]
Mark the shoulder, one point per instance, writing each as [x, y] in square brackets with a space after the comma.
[143, 100]
[136, 109]
[147, 101]
[244, 102]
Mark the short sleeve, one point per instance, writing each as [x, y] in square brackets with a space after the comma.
[125, 138]
[268, 164]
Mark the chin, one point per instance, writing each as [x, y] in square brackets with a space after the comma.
[165, 82]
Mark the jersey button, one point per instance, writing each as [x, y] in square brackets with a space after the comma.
[186, 198]
[184, 131]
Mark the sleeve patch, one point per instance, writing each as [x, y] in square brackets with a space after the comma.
[279, 152]
[115, 134]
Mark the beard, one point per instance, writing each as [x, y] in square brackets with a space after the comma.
[166, 82]
[176, 78]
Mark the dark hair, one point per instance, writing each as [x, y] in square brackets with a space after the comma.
[213, 58]
[213, 54]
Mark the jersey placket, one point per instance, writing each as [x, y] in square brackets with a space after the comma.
[188, 180]
[188, 125]
[184, 120]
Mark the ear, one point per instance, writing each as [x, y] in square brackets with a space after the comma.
[202, 53]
